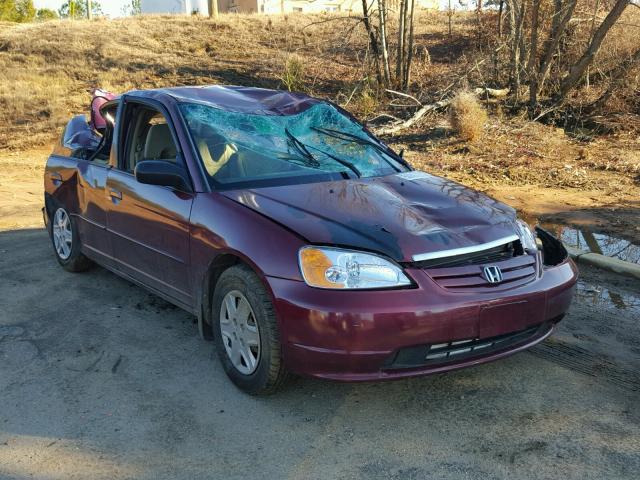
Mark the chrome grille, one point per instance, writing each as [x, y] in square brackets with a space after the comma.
[491, 255]
[515, 271]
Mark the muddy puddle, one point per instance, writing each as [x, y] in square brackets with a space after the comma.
[604, 297]
[590, 241]
[597, 243]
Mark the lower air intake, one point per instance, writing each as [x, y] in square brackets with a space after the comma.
[442, 353]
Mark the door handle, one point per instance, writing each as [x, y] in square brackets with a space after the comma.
[115, 194]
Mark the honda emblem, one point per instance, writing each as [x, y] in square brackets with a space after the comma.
[493, 274]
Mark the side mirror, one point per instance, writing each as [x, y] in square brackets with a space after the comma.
[166, 174]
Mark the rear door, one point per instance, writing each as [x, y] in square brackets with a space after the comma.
[149, 224]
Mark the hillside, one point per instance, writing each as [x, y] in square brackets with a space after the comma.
[47, 69]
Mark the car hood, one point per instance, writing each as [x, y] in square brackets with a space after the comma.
[400, 215]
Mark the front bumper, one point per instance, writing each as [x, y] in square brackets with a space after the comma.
[361, 335]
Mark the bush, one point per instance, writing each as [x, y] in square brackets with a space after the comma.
[292, 76]
[467, 116]
[17, 10]
[367, 103]
[44, 14]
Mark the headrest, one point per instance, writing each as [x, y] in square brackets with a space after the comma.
[159, 144]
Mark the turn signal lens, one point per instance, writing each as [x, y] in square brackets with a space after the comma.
[315, 264]
[327, 267]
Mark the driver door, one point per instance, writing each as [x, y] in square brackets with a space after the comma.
[149, 224]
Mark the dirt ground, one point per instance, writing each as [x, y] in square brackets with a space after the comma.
[103, 380]
[22, 188]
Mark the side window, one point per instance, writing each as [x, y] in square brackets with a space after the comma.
[148, 138]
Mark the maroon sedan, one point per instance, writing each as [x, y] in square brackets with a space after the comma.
[301, 242]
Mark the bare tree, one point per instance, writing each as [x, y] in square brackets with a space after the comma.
[516, 10]
[382, 16]
[379, 46]
[213, 8]
[618, 77]
[577, 70]
[407, 68]
[401, 36]
[533, 52]
[373, 41]
[562, 13]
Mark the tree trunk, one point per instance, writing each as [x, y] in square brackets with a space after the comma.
[521, 42]
[401, 36]
[562, 15]
[514, 82]
[213, 8]
[577, 70]
[495, 52]
[596, 6]
[382, 9]
[373, 41]
[407, 68]
[533, 54]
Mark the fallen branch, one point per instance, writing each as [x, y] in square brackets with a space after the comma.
[492, 92]
[401, 125]
[547, 111]
[332, 19]
[390, 129]
[402, 105]
[405, 95]
[383, 115]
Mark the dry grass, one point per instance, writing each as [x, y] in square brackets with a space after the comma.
[518, 152]
[47, 69]
[467, 116]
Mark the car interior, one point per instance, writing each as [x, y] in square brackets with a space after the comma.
[149, 138]
[226, 161]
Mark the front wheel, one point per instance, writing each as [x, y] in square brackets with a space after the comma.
[247, 334]
[66, 243]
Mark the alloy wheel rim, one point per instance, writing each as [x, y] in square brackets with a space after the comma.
[240, 333]
[62, 236]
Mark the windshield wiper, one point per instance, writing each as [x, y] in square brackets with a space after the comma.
[303, 150]
[358, 139]
[347, 164]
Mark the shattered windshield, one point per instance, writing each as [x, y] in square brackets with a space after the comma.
[318, 144]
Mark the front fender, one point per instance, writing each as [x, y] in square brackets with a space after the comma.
[224, 232]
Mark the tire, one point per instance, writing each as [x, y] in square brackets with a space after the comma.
[66, 241]
[268, 374]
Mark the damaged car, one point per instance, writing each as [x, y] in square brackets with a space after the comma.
[301, 242]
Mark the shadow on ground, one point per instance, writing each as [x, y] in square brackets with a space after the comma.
[101, 379]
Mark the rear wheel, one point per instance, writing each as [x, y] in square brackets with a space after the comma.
[247, 335]
[66, 243]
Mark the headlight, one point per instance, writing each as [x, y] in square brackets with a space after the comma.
[527, 238]
[327, 267]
